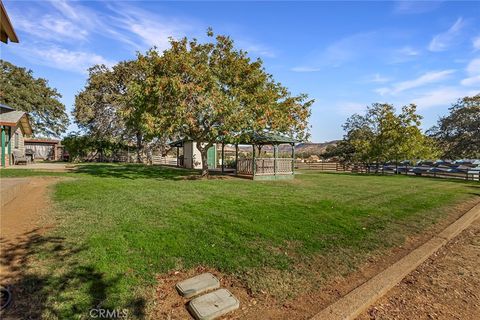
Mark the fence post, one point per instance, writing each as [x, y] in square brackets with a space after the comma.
[253, 161]
[236, 158]
[275, 155]
[293, 158]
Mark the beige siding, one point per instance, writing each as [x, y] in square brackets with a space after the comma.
[192, 158]
[21, 140]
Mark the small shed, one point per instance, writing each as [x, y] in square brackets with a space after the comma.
[191, 157]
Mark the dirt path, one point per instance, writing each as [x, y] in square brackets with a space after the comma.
[446, 286]
[22, 217]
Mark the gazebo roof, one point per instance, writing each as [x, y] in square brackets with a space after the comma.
[268, 138]
[246, 138]
[178, 143]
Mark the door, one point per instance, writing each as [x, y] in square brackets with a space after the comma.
[212, 157]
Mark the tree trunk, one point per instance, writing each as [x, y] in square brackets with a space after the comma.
[204, 155]
[139, 147]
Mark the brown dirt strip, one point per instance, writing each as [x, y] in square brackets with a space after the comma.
[446, 286]
[20, 218]
[356, 301]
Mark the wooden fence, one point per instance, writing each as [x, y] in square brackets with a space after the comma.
[330, 167]
[169, 161]
[425, 171]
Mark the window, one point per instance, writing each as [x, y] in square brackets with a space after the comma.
[16, 141]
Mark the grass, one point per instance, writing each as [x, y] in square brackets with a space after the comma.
[120, 225]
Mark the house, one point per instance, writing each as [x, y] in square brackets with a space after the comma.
[191, 157]
[14, 126]
[313, 158]
[6, 29]
[45, 149]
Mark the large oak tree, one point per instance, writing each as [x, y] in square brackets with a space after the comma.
[206, 91]
[20, 90]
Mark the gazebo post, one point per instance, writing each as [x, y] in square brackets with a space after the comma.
[223, 157]
[178, 157]
[275, 155]
[253, 161]
[236, 158]
[3, 128]
[9, 146]
[293, 157]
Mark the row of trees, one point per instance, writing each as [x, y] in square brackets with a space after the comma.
[200, 91]
[382, 135]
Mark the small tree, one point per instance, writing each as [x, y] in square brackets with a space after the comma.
[381, 135]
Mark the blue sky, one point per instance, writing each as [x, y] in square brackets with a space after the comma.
[345, 55]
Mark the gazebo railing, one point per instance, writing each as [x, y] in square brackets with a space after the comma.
[265, 166]
[245, 166]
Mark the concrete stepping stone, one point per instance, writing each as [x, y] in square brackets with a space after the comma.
[198, 284]
[213, 305]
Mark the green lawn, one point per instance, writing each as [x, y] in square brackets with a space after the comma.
[117, 226]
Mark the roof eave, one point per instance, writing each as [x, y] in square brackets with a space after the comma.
[8, 33]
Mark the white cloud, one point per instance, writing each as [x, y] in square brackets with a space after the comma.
[443, 41]
[50, 27]
[377, 78]
[441, 97]
[473, 67]
[426, 78]
[403, 54]
[61, 58]
[409, 51]
[66, 9]
[471, 81]
[476, 43]
[151, 29]
[414, 7]
[305, 69]
[255, 48]
[473, 71]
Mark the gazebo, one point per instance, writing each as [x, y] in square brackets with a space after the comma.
[255, 166]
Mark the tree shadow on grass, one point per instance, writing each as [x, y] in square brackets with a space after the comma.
[47, 281]
[136, 171]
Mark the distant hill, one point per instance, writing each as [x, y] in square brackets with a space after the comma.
[305, 147]
[314, 147]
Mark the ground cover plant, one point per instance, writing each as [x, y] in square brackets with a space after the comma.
[117, 226]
